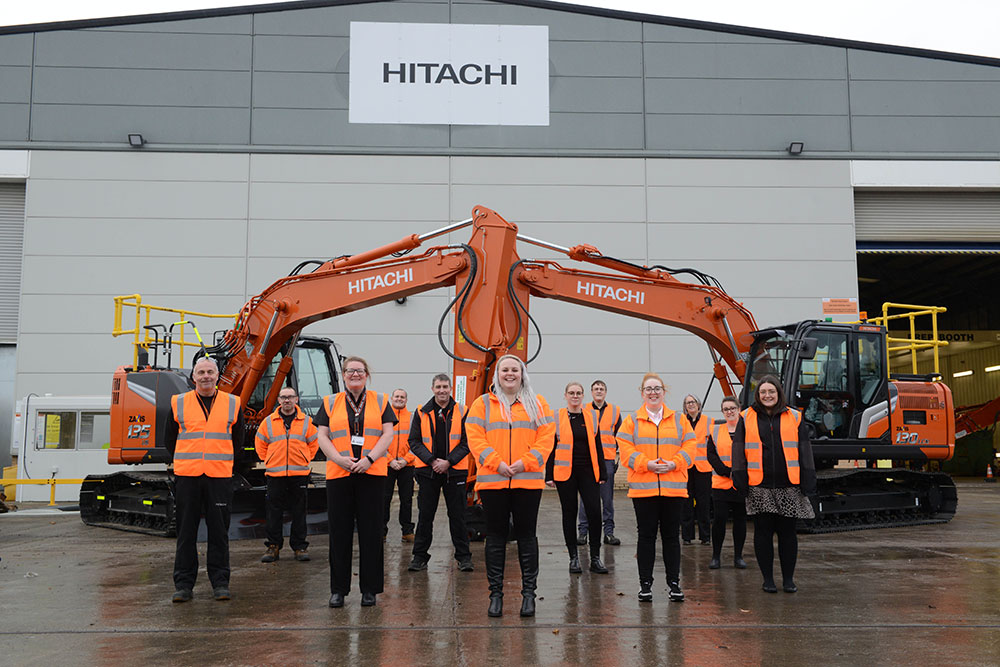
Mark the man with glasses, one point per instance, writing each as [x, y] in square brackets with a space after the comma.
[286, 442]
[610, 422]
[699, 483]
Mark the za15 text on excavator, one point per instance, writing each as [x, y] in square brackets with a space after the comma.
[836, 374]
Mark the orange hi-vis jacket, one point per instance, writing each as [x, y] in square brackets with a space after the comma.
[427, 425]
[204, 445]
[494, 440]
[340, 431]
[608, 418]
[723, 440]
[399, 448]
[642, 441]
[702, 428]
[790, 420]
[286, 453]
[563, 453]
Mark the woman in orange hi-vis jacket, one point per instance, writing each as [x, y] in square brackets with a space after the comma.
[510, 432]
[657, 446]
[773, 467]
[725, 499]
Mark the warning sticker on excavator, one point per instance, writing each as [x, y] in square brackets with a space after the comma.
[840, 306]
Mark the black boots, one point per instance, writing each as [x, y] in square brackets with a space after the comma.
[597, 566]
[527, 554]
[495, 555]
[574, 565]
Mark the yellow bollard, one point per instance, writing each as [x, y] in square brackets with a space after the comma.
[52, 492]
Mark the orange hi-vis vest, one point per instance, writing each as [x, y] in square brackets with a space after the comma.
[702, 428]
[399, 448]
[340, 431]
[608, 418]
[493, 440]
[563, 460]
[642, 441]
[723, 440]
[790, 420]
[204, 445]
[286, 453]
[427, 425]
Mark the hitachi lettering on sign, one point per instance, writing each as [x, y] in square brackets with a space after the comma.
[384, 280]
[437, 73]
[608, 292]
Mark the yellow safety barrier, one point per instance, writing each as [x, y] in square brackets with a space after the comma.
[52, 481]
[143, 337]
[911, 344]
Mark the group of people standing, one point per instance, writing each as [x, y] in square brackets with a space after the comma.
[757, 462]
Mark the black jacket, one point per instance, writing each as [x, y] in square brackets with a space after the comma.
[416, 439]
[773, 456]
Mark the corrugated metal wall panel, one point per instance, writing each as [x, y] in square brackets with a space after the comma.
[927, 216]
[11, 243]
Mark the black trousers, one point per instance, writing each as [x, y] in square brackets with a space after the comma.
[287, 493]
[697, 506]
[428, 497]
[581, 483]
[764, 528]
[502, 505]
[356, 500]
[213, 497]
[661, 513]
[607, 501]
[723, 508]
[403, 479]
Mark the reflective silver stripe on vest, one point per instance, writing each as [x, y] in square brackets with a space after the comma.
[455, 436]
[289, 468]
[726, 459]
[373, 432]
[631, 460]
[478, 421]
[342, 433]
[751, 445]
[687, 459]
[753, 465]
[205, 436]
[485, 455]
[657, 441]
[563, 448]
[486, 479]
[538, 457]
[529, 475]
[210, 456]
[233, 403]
[187, 455]
[563, 464]
[545, 420]
[791, 464]
[657, 485]
[180, 415]
[627, 437]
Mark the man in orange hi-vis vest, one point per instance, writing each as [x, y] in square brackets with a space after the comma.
[205, 432]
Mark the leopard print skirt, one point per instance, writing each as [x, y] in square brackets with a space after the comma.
[790, 502]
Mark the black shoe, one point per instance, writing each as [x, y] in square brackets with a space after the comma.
[645, 591]
[182, 595]
[612, 540]
[574, 565]
[687, 542]
[675, 594]
[367, 599]
[496, 605]
[581, 538]
[597, 566]
[528, 605]
[337, 600]
[739, 563]
[769, 587]
[714, 564]
[417, 565]
[221, 593]
[789, 586]
[465, 565]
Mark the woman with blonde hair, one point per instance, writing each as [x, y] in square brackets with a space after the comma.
[657, 446]
[510, 432]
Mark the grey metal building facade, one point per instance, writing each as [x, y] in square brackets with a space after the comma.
[667, 144]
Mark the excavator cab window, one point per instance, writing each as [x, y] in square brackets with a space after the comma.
[768, 355]
[824, 394]
[871, 366]
[312, 368]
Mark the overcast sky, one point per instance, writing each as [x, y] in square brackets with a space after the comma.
[961, 26]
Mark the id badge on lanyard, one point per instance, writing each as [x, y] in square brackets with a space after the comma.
[357, 440]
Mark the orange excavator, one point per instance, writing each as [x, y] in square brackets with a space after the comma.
[835, 373]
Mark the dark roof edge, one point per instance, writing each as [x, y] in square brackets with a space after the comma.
[539, 4]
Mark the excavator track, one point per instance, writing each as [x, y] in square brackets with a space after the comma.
[138, 502]
[880, 498]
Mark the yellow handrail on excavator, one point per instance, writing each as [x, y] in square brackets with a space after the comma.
[143, 337]
[911, 344]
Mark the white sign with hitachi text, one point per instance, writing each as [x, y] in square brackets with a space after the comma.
[449, 74]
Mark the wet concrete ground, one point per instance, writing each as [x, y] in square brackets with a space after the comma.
[71, 594]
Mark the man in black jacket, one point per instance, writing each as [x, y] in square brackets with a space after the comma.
[437, 439]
